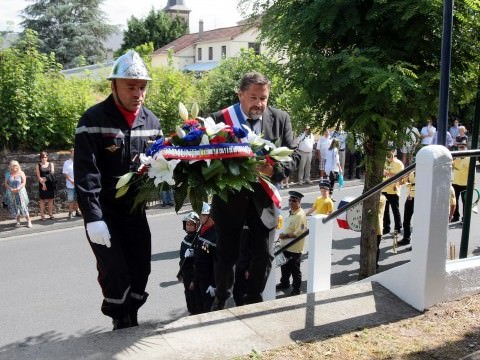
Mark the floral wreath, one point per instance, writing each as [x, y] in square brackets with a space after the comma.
[203, 158]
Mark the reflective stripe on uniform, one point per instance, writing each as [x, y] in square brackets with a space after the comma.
[118, 301]
[99, 130]
[151, 132]
[115, 132]
[207, 241]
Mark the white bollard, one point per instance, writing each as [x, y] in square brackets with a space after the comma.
[319, 254]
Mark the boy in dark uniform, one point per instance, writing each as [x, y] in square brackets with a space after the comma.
[204, 254]
[185, 274]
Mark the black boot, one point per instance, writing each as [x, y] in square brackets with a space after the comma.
[217, 304]
[122, 322]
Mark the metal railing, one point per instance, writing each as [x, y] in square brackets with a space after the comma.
[370, 192]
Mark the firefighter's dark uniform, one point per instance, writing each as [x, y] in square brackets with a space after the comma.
[204, 275]
[106, 148]
[186, 271]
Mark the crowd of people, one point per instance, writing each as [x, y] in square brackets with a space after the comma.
[16, 198]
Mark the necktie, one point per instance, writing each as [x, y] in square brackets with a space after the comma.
[252, 123]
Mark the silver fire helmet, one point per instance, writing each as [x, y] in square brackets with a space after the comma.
[129, 66]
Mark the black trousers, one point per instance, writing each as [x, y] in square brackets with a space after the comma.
[393, 202]
[292, 268]
[229, 234]
[458, 190]
[123, 269]
[407, 217]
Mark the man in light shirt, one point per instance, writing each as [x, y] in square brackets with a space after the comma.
[305, 148]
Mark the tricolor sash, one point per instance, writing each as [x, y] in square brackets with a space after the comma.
[233, 116]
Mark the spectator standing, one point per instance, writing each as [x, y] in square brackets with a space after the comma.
[322, 204]
[392, 192]
[323, 145]
[46, 184]
[408, 210]
[295, 224]
[410, 145]
[305, 147]
[167, 196]
[460, 180]
[186, 272]
[462, 136]
[67, 170]
[253, 209]
[341, 137]
[354, 158]
[428, 131]
[454, 128]
[332, 164]
[17, 194]
[109, 139]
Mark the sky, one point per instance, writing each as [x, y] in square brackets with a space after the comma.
[214, 13]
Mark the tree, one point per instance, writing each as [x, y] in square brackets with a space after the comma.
[157, 27]
[40, 108]
[221, 86]
[72, 30]
[373, 65]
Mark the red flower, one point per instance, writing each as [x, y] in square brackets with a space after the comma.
[218, 140]
[191, 122]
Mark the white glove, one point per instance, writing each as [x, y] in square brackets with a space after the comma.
[189, 252]
[211, 291]
[98, 233]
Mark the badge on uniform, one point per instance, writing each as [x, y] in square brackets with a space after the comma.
[112, 148]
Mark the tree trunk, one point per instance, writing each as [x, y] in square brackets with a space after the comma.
[375, 153]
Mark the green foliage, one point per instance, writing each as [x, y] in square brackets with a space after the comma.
[73, 30]
[40, 107]
[165, 91]
[157, 27]
[220, 87]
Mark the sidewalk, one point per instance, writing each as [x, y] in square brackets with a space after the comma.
[235, 331]
[61, 221]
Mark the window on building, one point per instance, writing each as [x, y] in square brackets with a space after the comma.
[255, 47]
[224, 52]
[210, 53]
[199, 55]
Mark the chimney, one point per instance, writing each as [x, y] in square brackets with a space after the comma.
[200, 28]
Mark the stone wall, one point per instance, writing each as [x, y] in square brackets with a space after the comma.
[28, 162]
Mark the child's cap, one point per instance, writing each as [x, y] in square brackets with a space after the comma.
[295, 194]
[324, 184]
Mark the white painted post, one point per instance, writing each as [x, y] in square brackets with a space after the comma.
[319, 254]
[421, 282]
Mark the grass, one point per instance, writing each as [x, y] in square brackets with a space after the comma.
[446, 331]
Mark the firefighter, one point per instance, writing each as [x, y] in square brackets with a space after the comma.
[109, 138]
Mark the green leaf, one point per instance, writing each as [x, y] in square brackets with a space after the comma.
[216, 168]
[121, 191]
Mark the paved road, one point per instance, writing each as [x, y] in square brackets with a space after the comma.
[49, 289]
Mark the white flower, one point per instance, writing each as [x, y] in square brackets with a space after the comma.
[211, 128]
[182, 111]
[180, 132]
[257, 140]
[144, 159]
[281, 153]
[195, 110]
[161, 169]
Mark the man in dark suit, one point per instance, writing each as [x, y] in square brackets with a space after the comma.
[245, 210]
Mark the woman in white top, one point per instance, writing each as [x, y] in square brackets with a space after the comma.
[332, 163]
[428, 132]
